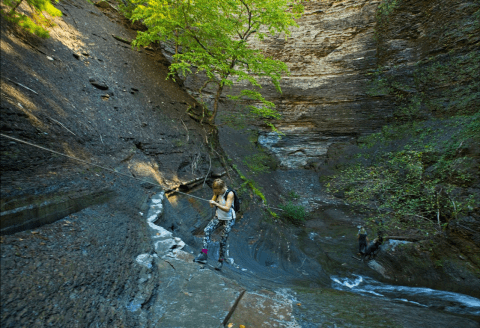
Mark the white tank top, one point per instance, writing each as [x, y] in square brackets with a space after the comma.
[222, 215]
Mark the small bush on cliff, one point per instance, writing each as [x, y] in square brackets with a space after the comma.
[211, 37]
[37, 23]
[385, 8]
[414, 178]
[294, 214]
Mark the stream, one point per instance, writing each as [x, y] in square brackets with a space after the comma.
[314, 267]
[261, 268]
[423, 297]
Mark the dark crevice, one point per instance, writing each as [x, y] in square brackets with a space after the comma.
[171, 265]
[139, 146]
[234, 307]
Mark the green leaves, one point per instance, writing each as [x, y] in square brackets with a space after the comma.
[38, 21]
[211, 37]
[295, 214]
[414, 178]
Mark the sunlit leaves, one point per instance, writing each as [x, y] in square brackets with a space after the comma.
[37, 22]
[211, 37]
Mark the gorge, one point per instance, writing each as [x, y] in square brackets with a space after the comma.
[108, 241]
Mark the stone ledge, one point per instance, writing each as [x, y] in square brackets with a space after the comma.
[44, 209]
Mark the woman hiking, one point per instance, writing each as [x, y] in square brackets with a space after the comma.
[224, 217]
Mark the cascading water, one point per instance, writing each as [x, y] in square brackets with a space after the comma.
[424, 297]
[262, 259]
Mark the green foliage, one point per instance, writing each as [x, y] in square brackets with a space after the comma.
[442, 86]
[386, 7]
[439, 263]
[410, 177]
[210, 37]
[384, 10]
[37, 23]
[260, 162]
[249, 183]
[292, 195]
[379, 85]
[126, 8]
[294, 214]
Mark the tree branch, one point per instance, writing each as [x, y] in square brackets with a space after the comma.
[205, 85]
[14, 8]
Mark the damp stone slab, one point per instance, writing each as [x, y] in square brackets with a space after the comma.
[264, 309]
[189, 296]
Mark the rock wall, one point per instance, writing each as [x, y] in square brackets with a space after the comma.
[324, 99]
[335, 57]
[331, 96]
[334, 92]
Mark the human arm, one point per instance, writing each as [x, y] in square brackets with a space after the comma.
[228, 202]
[212, 201]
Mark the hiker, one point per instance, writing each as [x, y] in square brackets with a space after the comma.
[224, 216]
[362, 241]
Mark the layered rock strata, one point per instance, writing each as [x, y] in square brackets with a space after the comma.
[323, 101]
[337, 57]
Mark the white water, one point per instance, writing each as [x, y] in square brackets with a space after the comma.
[425, 297]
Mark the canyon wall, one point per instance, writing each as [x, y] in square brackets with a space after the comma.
[324, 100]
[338, 57]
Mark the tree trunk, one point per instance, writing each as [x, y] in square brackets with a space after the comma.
[215, 104]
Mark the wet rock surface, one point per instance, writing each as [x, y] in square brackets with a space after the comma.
[77, 271]
[128, 261]
[335, 308]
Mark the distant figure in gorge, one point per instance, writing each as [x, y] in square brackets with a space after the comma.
[362, 241]
[223, 200]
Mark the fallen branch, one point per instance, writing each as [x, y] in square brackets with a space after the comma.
[61, 125]
[188, 136]
[170, 264]
[187, 183]
[19, 84]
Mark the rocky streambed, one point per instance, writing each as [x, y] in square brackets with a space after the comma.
[107, 250]
[115, 265]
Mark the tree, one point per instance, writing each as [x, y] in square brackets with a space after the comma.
[36, 24]
[212, 37]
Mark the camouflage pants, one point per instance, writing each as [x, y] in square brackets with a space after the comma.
[211, 227]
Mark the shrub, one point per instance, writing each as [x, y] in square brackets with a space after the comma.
[415, 181]
[293, 213]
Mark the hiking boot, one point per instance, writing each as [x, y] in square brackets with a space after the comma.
[201, 258]
[219, 265]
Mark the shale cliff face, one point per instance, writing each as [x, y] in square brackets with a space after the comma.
[334, 92]
[324, 100]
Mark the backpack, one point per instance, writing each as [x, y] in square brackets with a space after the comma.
[236, 201]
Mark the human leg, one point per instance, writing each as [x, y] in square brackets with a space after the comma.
[227, 227]
[211, 226]
[209, 229]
